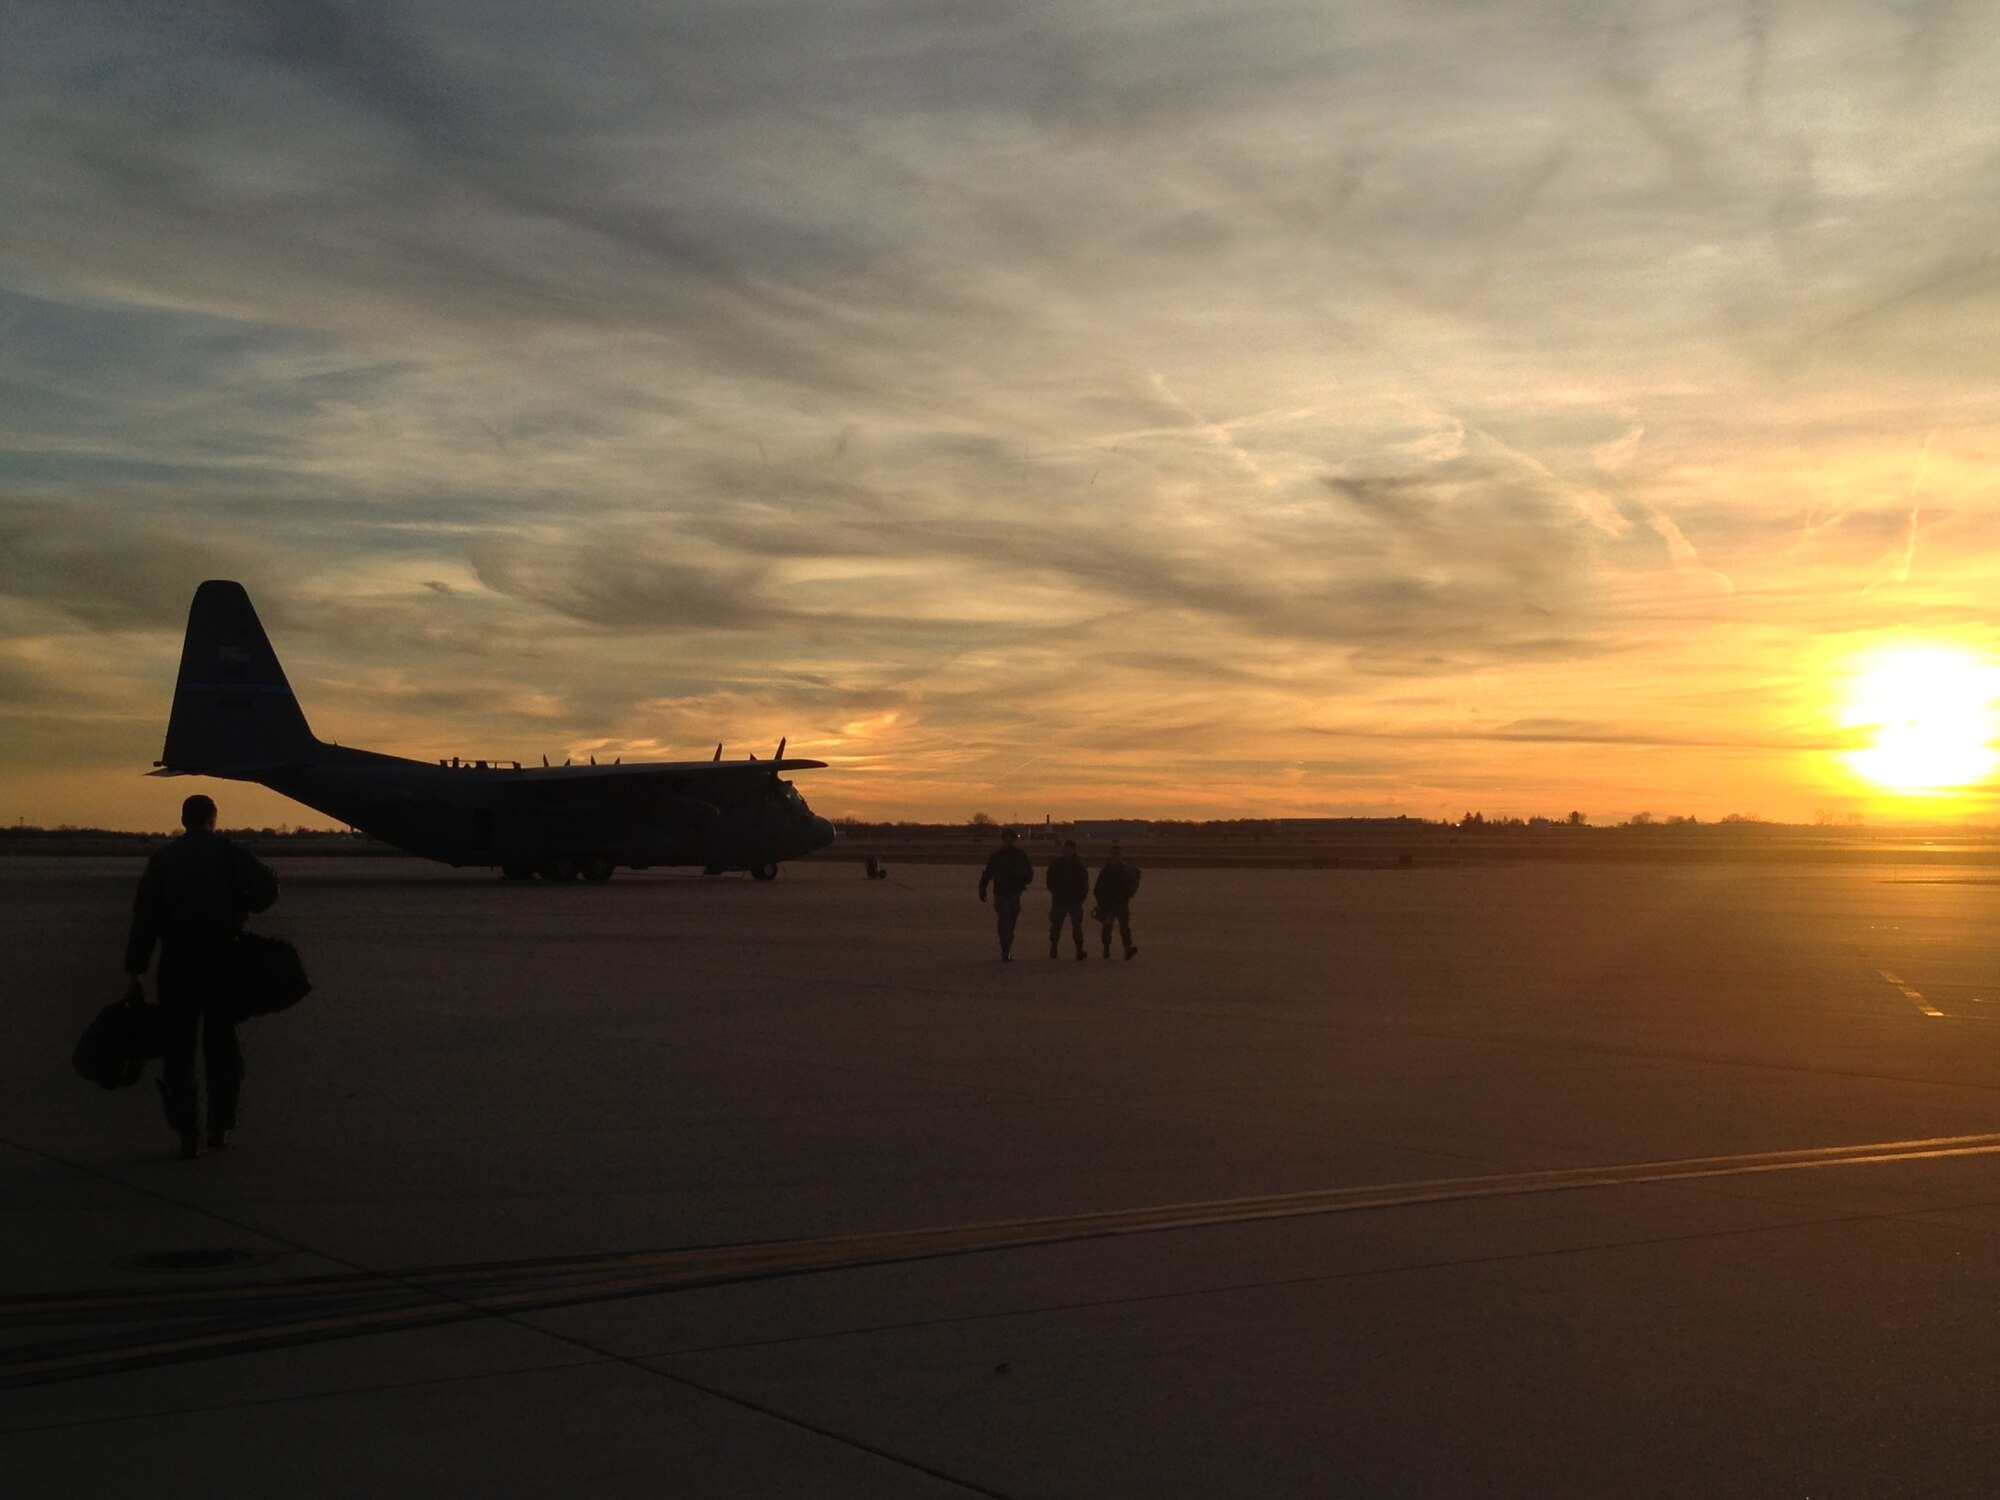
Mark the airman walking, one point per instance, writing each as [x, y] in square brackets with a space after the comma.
[1009, 872]
[1068, 881]
[191, 904]
[1117, 884]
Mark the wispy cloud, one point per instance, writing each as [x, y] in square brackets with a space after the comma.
[1026, 382]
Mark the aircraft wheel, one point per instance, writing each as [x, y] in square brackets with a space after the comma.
[559, 869]
[597, 868]
[518, 871]
[764, 872]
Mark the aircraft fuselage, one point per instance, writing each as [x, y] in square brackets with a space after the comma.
[530, 818]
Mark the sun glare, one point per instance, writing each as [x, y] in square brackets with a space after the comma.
[1930, 714]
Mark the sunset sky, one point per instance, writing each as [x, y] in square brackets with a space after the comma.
[1082, 408]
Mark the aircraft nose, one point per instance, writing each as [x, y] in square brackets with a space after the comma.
[822, 833]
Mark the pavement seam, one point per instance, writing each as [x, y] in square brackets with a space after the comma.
[447, 1308]
[444, 1295]
[1224, 1289]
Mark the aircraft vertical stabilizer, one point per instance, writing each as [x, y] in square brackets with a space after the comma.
[233, 708]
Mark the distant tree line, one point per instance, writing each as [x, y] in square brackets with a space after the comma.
[1473, 821]
[983, 825]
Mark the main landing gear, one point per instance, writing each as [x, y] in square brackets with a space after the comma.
[596, 868]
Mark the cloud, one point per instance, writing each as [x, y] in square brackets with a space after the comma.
[777, 363]
[101, 566]
[608, 584]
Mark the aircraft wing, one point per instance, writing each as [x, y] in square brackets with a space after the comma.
[686, 778]
[669, 770]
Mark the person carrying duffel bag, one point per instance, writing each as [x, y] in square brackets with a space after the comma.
[190, 905]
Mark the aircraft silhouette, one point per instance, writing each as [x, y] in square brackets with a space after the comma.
[235, 717]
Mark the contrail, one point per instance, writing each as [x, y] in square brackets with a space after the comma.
[1902, 572]
[1910, 535]
[1013, 770]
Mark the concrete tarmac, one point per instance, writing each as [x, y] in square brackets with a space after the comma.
[1511, 1181]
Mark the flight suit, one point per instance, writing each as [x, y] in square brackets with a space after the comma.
[1117, 884]
[1009, 871]
[1068, 881]
[191, 904]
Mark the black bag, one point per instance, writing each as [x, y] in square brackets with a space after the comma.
[118, 1043]
[261, 975]
[256, 886]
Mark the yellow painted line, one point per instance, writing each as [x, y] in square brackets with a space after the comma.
[446, 1299]
[1911, 995]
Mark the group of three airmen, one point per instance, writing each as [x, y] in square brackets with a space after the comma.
[1009, 872]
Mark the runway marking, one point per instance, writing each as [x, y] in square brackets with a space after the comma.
[1911, 995]
[447, 1294]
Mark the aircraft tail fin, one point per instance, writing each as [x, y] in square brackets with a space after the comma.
[233, 709]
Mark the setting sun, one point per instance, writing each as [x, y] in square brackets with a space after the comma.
[1930, 711]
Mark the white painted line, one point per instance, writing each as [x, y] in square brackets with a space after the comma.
[1911, 995]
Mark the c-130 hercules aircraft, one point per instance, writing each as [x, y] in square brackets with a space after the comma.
[235, 717]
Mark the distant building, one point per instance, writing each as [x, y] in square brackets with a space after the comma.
[1111, 828]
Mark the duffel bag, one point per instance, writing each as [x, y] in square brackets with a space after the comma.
[118, 1043]
[263, 974]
